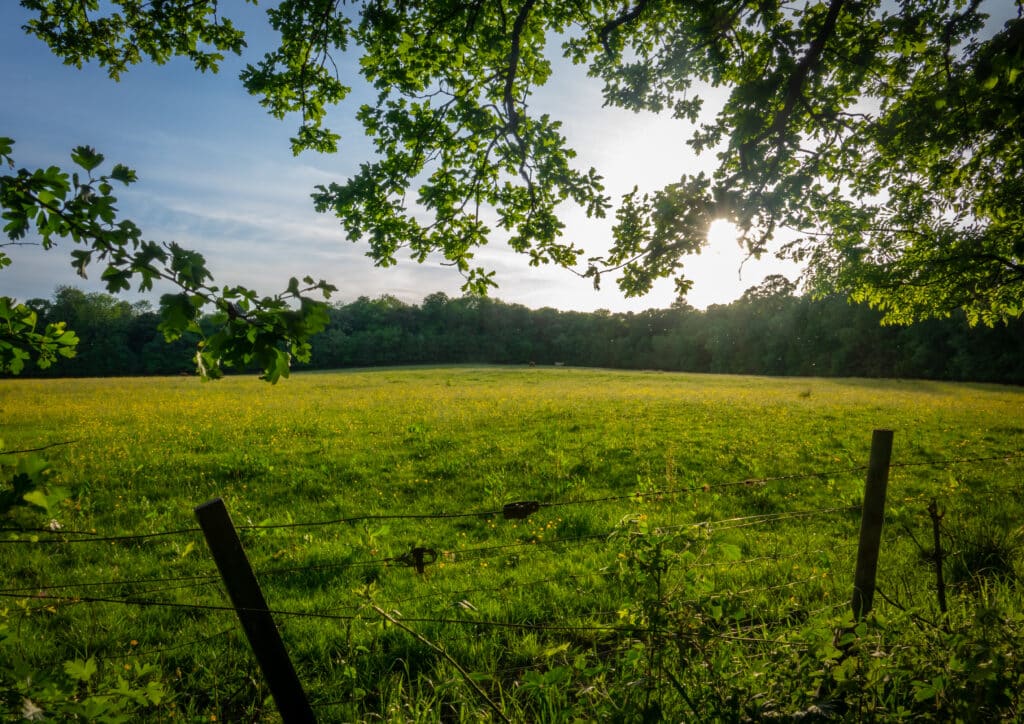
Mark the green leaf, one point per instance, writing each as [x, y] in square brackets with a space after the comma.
[277, 367]
[178, 315]
[80, 670]
[37, 498]
[155, 692]
[556, 650]
[729, 552]
[86, 157]
[122, 173]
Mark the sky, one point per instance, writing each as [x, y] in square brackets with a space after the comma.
[216, 174]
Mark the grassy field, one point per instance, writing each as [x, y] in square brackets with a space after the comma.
[692, 554]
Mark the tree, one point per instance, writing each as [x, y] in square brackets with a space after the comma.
[887, 140]
[775, 287]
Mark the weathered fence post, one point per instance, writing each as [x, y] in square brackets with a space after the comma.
[938, 556]
[872, 516]
[253, 613]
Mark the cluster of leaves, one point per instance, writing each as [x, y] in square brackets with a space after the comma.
[971, 672]
[25, 485]
[20, 341]
[80, 691]
[118, 40]
[933, 220]
[452, 86]
[268, 331]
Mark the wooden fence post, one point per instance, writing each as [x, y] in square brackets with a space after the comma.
[938, 557]
[253, 613]
[872, 516]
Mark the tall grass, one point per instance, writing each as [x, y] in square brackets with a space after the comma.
[664, 572]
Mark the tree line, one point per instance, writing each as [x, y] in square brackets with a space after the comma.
[768, 331]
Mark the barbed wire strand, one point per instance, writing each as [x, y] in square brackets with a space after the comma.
[487, 623]
[139, 653]
[958, 461]
[321, 615]
[76, 600]
[513, 586]
[639, 495]
[463, 594]
[459, 555]
[98, 538]
[47, 529]
[135, 601]
[121, 582]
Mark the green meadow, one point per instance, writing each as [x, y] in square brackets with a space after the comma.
[688, 554]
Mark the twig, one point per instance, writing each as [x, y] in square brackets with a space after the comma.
[914, 616]
[609, 27]
[465, 674]
[37, 449]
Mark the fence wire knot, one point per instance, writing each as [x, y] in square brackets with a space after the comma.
[418, 557]
[520, 510]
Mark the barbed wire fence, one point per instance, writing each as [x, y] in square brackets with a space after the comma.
[421, 558]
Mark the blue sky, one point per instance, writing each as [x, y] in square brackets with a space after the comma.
[217, 175]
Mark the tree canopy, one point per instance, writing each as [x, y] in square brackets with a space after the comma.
[883, 142]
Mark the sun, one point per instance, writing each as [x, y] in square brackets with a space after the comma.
[722, 237]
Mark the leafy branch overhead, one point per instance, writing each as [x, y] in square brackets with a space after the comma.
[881, 144]
[883, 140]
[52, 204]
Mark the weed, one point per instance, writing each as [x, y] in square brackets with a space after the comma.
[983, 549]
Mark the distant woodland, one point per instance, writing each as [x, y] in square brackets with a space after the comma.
[769, 331]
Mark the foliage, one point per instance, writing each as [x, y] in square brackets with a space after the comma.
[75, 690]
[121, 39]
[887, 140]
[20, 342]
[25, 484]
[266, 331]
[882, 137]
[78, 690]
[768, 331]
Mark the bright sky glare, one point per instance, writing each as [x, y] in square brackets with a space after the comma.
[216, 175]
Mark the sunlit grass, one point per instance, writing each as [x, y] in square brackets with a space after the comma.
[144, 452]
